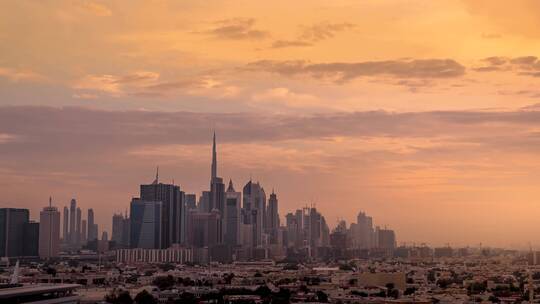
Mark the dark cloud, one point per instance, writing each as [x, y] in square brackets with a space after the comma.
[81, 130]
[341, 72]
[237, 29]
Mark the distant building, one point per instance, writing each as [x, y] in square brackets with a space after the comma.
[231, 216]
[117, 228]
[172, 210]
[92, 227]
[140, 255]
[273, 218]
[31, 239]
[84, 232]
[78, 224]
[146, 224]
[12, 222]
[65, 226]
[120, 230]
[204, 228]
[49, 232]
[72, 222]
[254, 210]
[191, 201]
[386, 239]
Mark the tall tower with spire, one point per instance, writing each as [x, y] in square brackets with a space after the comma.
[214, 158]
[217, 188]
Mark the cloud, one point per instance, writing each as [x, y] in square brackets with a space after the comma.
[286, 97]
[77, 129]
[237, 29]
[115, 85]
[323, 31]
[314, 33]
[97, 9]
[278, 44]
[524, 65]
[20, 75]
[342, 72]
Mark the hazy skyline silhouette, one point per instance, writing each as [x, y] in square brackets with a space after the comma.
[428, 124]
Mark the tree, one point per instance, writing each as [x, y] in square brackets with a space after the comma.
[51, 271]
[166, 266]
[322, 297]
[144, 297]
[187, 298]
[118, 297]
[164, 282]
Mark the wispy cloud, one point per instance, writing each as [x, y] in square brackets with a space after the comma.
[96, 8]
[313, 34]
[237, 29]
[345, 71]
[20, 75]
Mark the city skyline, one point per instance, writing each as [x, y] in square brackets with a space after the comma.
[423, 114]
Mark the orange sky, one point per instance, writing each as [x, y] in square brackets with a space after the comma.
[424, 114]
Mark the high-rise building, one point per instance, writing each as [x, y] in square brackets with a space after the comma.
[117, 223]
[363, 233]
[84, 232]
[191, 201]
[204, 228]
[253, 209]
[386, 238]
[231, 216]
[145, 217]
[72, 223]
[173, 210]
[120, 228]
[49, 232]
[12, 221]
[65, 226]
[217, 187]
[92, 227]
[125, 232]
[273, 218]
[78, 231]
[31, 239]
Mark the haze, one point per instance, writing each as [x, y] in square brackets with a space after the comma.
[424, 114]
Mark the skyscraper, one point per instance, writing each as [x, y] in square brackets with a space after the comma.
[12, 222]
[84, 232]
[217, 187]
[126, 231]
[78, 226]
[173, 209]
[49, 232]
[231, 216]
[145, 217]
[191, 201]
[253, 209]
[273, 218]
[31, 239]
[364, 233]
[204, 228]
[92, 227]
[117, 228]
[386, 239]
[72, 223]
[65, 226]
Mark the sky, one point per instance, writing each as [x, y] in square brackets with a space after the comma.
[424, 114]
